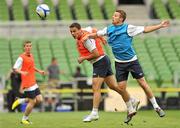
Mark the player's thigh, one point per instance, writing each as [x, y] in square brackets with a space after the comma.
[102, 68]
[136, 70]
[39, 98]
[38, 95]
[121, 71]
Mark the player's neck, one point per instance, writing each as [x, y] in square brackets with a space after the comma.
[80, 35]
[118, 24]
[27, 53]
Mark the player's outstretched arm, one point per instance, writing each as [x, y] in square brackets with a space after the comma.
[40, 71]
[163, 24]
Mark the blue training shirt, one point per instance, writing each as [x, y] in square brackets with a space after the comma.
[120, 39]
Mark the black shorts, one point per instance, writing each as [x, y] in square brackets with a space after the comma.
[123, 69]
[32, 94]
[102, 68]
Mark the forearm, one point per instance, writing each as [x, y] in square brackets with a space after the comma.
[152, 28]
[40, 71]
[91, 56]
[37, 70]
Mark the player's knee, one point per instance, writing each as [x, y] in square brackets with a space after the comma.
[96, 87]
[39, 100]
[32, 101]
[121, 88]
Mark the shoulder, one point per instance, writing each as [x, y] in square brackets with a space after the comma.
[110, 26]
[21, 55]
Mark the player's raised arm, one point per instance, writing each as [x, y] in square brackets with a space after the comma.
[99, 33]
[163, 24]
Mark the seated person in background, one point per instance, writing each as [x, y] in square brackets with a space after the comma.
[14, 92]
[78, 73]
[53, 73]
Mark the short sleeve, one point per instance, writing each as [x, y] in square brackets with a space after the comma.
[102, 32]
[134, 30]
[90, 45]
[18, 63]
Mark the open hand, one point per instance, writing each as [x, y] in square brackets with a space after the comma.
[165, 23]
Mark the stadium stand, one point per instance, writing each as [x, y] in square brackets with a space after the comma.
[16, 48]
[32, 4]
[72, 54]
[164, 52]
[145, 59]
[83, 10]
[109, 7]
[53, 15]
[159, 57]
[80, 10]
[58, 50]
[5, 58]
[95, 9]
[174, 8]
[160, 9]
[4, 11]
[35, 50]
[64, 10]
[45, 52]
[18, 10]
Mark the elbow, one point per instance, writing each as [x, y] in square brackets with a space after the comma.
[97, 55]
[145, 30]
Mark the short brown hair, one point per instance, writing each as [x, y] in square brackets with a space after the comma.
[123, 14]
[77, 25]
[53, 59]
[26, 42]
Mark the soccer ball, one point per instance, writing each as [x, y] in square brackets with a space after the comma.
[42, 10]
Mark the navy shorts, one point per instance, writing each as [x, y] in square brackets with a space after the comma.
[123, 69]
[32, 94]
[102, 68]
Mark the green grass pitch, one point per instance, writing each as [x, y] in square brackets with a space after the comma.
[143, 119]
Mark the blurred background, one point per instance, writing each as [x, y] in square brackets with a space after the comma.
[158, 52]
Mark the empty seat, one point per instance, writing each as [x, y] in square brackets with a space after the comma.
[18, 10]
[4, 14]
[45, 52]
[64, 10]
[80, 10]
[95, 10]
[5, 57]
